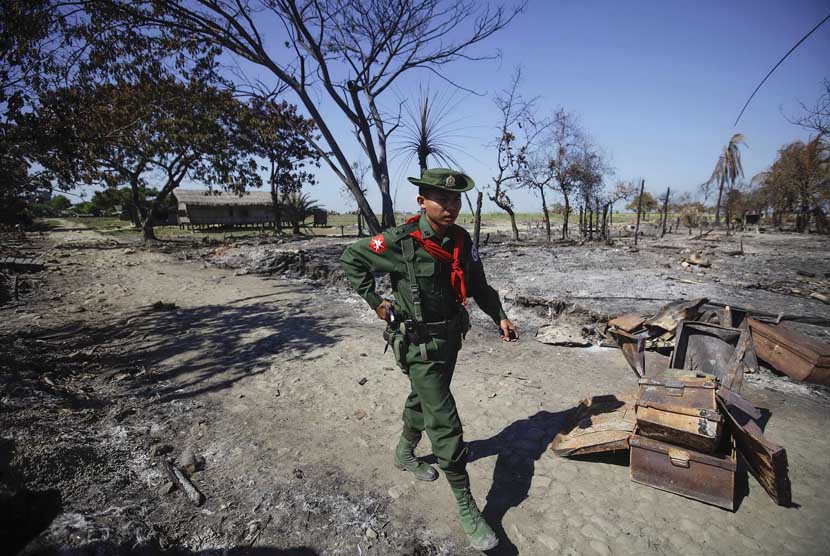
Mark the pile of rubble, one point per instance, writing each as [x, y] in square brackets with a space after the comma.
[687, 424]
[286, 260]
[723, 341]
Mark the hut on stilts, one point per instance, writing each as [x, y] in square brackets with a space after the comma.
[205, 210]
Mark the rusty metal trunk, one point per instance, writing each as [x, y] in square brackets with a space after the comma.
[681, 411]
[721, 351]
[705, 477]
[794, 354]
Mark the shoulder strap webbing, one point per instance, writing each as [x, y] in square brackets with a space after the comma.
[408, 248]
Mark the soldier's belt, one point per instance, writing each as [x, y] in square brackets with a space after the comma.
[422, 332]
[440, 328]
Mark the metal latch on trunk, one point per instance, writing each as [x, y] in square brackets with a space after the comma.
[674, 387]
[679, 458]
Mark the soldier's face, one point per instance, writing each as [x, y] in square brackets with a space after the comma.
[441, 207]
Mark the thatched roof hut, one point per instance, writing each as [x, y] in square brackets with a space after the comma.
[204, 208]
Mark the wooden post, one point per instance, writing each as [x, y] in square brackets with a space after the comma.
[610, 221]
[639, 210]
[665, 211]
[477, 225]
[590, 223]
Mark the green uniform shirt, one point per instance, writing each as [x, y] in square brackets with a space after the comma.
[383, 253]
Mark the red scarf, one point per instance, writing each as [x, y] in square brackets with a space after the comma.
[459, 285]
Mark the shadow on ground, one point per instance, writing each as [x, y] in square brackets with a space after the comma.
[23, 513]
[112, 549]
[184, 352]
[517, 447]
[189, 351]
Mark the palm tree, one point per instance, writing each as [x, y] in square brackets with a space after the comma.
[431, 131]
[727, 170]
[297, 207]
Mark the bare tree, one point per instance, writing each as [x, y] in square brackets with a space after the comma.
[589, 173]
[515, 140]
[817, 116]
[568, 147]
[360, 168]
[537, 175]
[536, 169]
[349, 53]
[621, 190]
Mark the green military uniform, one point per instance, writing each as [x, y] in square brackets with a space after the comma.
[430, 405]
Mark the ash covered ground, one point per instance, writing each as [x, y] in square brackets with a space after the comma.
[262, 363]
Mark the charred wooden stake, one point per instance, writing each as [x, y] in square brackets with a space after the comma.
[639, 211]
[477, 225]
[184, 483]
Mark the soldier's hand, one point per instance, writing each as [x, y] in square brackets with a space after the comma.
[509, 332]
[381, 310]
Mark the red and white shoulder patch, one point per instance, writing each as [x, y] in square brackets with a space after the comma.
[377, 244]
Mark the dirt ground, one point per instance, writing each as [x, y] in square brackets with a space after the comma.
[261, 362]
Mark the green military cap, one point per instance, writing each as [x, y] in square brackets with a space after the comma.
[444, 178]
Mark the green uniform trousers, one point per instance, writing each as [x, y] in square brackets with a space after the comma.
[431, 407]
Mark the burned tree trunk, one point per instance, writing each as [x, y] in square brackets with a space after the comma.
[469, 202]
[147, 230]
[546, 213]
[509, 210]
[590, 224]
[502, 201]
[477, 225]
[717, 206]
[513, 223]
[821, 220]
[276, 206]
[565, 220]
[604, 232]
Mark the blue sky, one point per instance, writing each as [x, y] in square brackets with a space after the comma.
[657, 84]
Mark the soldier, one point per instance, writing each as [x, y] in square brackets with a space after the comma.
[434, 267]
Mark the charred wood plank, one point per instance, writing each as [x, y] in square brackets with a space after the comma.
[766, 460]
[183, 483]
[633, 349]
